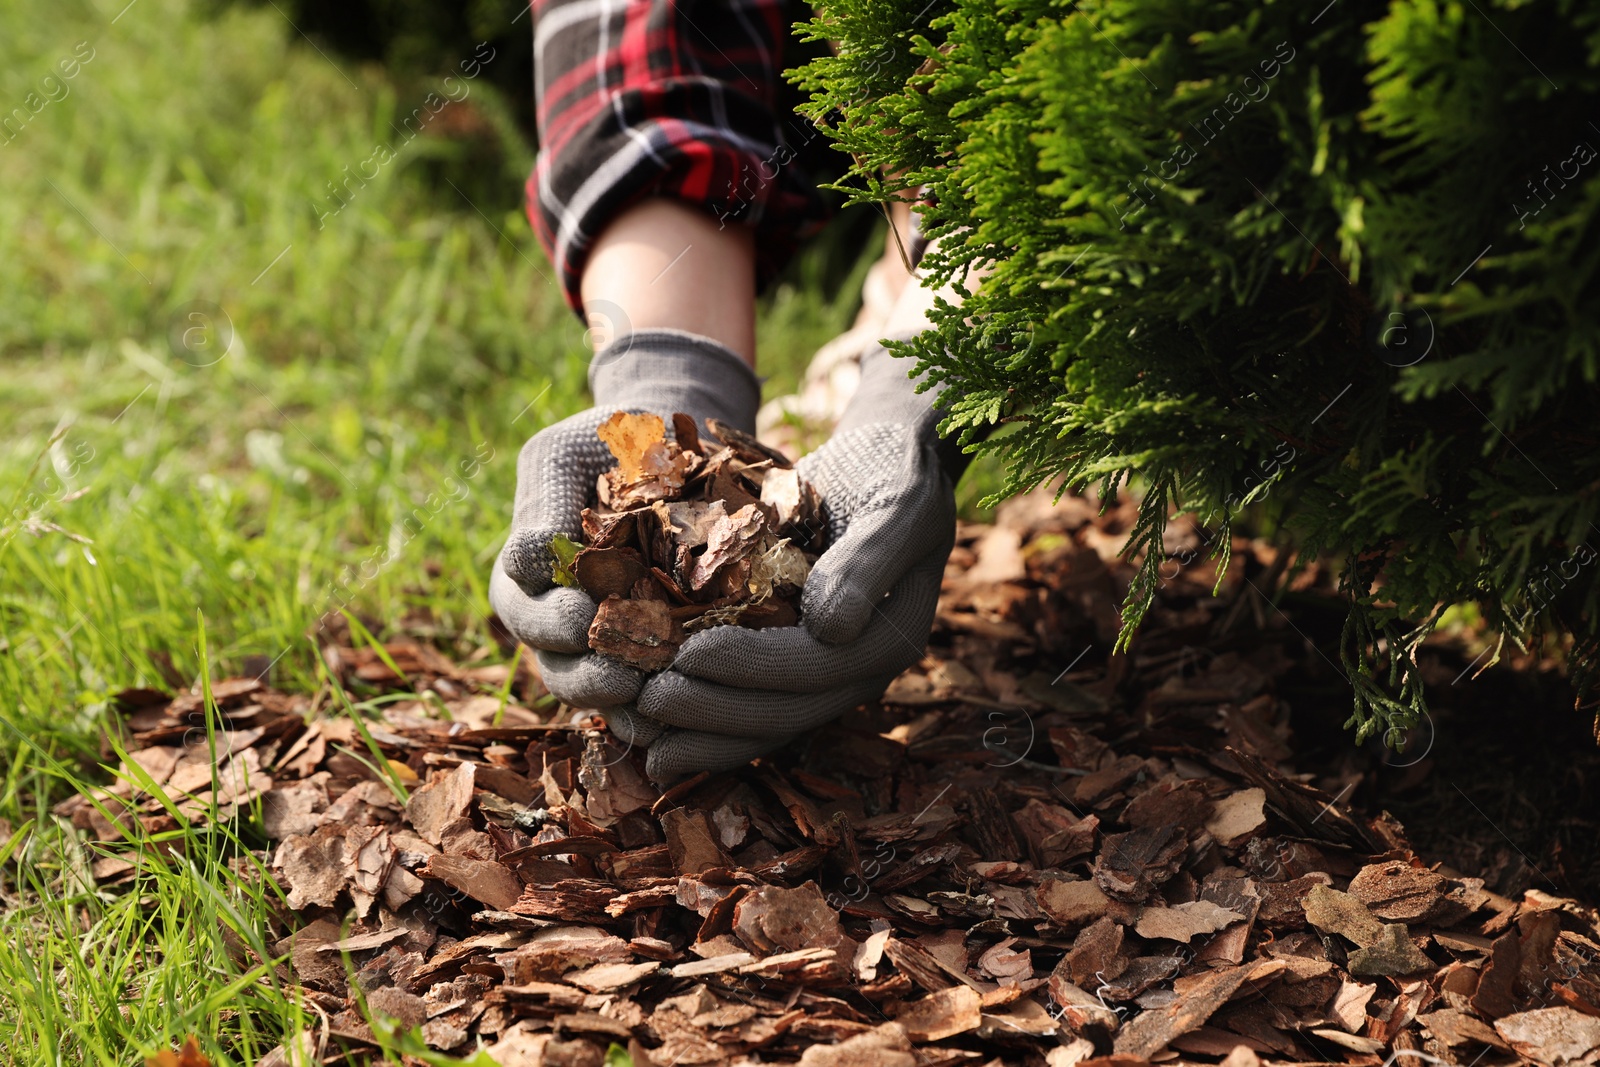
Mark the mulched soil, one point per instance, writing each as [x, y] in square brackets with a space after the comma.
[1029, 852]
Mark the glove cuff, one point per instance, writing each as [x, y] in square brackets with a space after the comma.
[674, 370]
[888, 393]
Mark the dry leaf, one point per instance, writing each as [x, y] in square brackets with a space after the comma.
[629, 437]
[187, 1056]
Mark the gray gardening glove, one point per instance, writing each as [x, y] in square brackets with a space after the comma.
[886, 484]
[659, 371]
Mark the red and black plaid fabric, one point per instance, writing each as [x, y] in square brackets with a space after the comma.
[671, 98]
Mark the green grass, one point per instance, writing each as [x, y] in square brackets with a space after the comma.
[169, 494]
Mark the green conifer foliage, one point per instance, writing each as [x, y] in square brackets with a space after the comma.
[1336, 260]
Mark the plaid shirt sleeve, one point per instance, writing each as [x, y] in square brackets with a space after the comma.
[672, 98]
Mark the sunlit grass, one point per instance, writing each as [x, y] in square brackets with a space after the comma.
[226, 419]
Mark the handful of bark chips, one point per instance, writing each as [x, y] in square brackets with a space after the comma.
[689, 534]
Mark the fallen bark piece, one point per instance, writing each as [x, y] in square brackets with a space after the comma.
[605, 977]
[1242, 1056]
[1495, 992]
[943, 1014]
[1551, 1035]
[314, 867]
[884, 1046]
[1399, 892]
[1349, 1007]
[1131, 865]
[1457, 1028]
[1003, 961]
[781, 962]
[773, 919]
[1172, 800]
[923, 967]
[713, 965]
[691, 842]
[871, 951]
[1283, 904]
[1184, 922]
[485, 881]
[547, 958]
[1366, 1046]
[1096, 955]
[1392, 954]
[608, 572]
[648, 468]
[641, 633]
[1153, 1030]
[1141, 973]
[363, 942]
[1339, 913]
[1081, 1012]
[1237, 815]
[730, 539]
[440, 802]
[521, 1046]
[1071, 904]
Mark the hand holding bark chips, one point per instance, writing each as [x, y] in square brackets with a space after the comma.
[689, 535]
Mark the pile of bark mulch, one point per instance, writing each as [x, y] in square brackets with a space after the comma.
[1029, 852]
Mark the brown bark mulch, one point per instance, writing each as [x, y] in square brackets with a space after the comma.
[1029, 851]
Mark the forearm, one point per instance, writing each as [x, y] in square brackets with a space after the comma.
[663, 265]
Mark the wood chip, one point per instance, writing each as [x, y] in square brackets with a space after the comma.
[1237, 816]
[641, 633]
[1071, 904]
[691, 841]
[485, 881]
[1184, 922]
[1456, 1028]
[1152, 1031]
[440, 802]
[883, 1046]
[1096, 955]
[1392, 954]
[1495, 994]
[1402, 893]
[1339, 913]
[1130, 866]
[314, 867]
[1551, 1035]
[773, 919]
[714, 965]
[1349, 1007]
[943, 1014]
[606, 977]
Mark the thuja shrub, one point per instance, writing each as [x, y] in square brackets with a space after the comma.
[1333, 262]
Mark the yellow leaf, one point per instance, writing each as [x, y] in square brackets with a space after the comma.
[188, 1056]
[403, 772]
[629, 437]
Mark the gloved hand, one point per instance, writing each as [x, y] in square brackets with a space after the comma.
[658, 371]
[886, 485]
